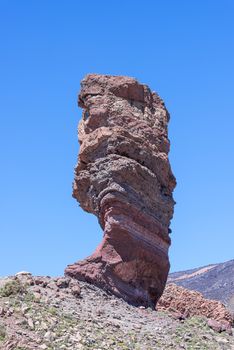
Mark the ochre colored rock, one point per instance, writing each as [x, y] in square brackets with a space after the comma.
[189, 303]
[123, 176]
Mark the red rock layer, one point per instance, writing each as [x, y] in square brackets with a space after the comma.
[190, 303]
[123, 176]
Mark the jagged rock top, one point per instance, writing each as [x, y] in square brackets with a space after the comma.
[110, 96]
[123, 117]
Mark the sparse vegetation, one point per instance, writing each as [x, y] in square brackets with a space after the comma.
[11, 288]
[29, 297]
[2, 332]
[96, 320]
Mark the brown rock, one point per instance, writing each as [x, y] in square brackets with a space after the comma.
[190, 303]
[75, 290]
[123, 176]
[41, 281]
[63, 282]
[177, 315]
[37, 296]
[220, 326]
[30, 323]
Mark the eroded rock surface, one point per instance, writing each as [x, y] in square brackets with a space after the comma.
[123, 176]
[187, 303]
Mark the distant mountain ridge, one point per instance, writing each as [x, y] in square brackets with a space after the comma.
[215, 281]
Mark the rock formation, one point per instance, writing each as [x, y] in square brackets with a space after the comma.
[123, 176]
[187, 303]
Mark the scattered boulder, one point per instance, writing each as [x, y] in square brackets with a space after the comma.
[220, 326]
[123, 176]
[75, 288]
[63, 282]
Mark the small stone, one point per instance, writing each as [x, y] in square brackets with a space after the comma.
[38, 280]
[24, 309]
[176, 315]
[63, 282]
[10, 311]
[226, 326]
[49, 336]
[187, 337]
[18, 322]
[75, 290]
[117, 317]
[77, 337]
[99, 312]
[38, 340]
[215, 325]
[30, 323]
[43, 347]
[221, 340]
[37, 296]
[44, 326]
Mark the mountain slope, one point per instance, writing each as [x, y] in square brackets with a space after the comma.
[213, 281]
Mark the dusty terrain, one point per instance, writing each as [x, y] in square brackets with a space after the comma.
[61, 313]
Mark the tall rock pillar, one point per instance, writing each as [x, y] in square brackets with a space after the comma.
[123, 176]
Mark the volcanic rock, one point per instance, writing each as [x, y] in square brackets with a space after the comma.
[189, 303]
[123, 176]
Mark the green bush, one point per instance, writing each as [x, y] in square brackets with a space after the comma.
[11, 288]
[2, 332]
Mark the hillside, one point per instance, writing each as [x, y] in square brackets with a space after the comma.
[213, 281]
[44, 313]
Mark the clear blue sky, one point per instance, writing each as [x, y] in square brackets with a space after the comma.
[182, 49]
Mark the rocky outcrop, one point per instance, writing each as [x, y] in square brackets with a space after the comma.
[123, 176]
[187, 303]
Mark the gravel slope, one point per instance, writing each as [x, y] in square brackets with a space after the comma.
[58, 313]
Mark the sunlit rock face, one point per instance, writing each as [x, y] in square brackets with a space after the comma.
[123, 176]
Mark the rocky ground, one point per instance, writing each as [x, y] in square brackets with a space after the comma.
[186, 303]
[60, 313]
